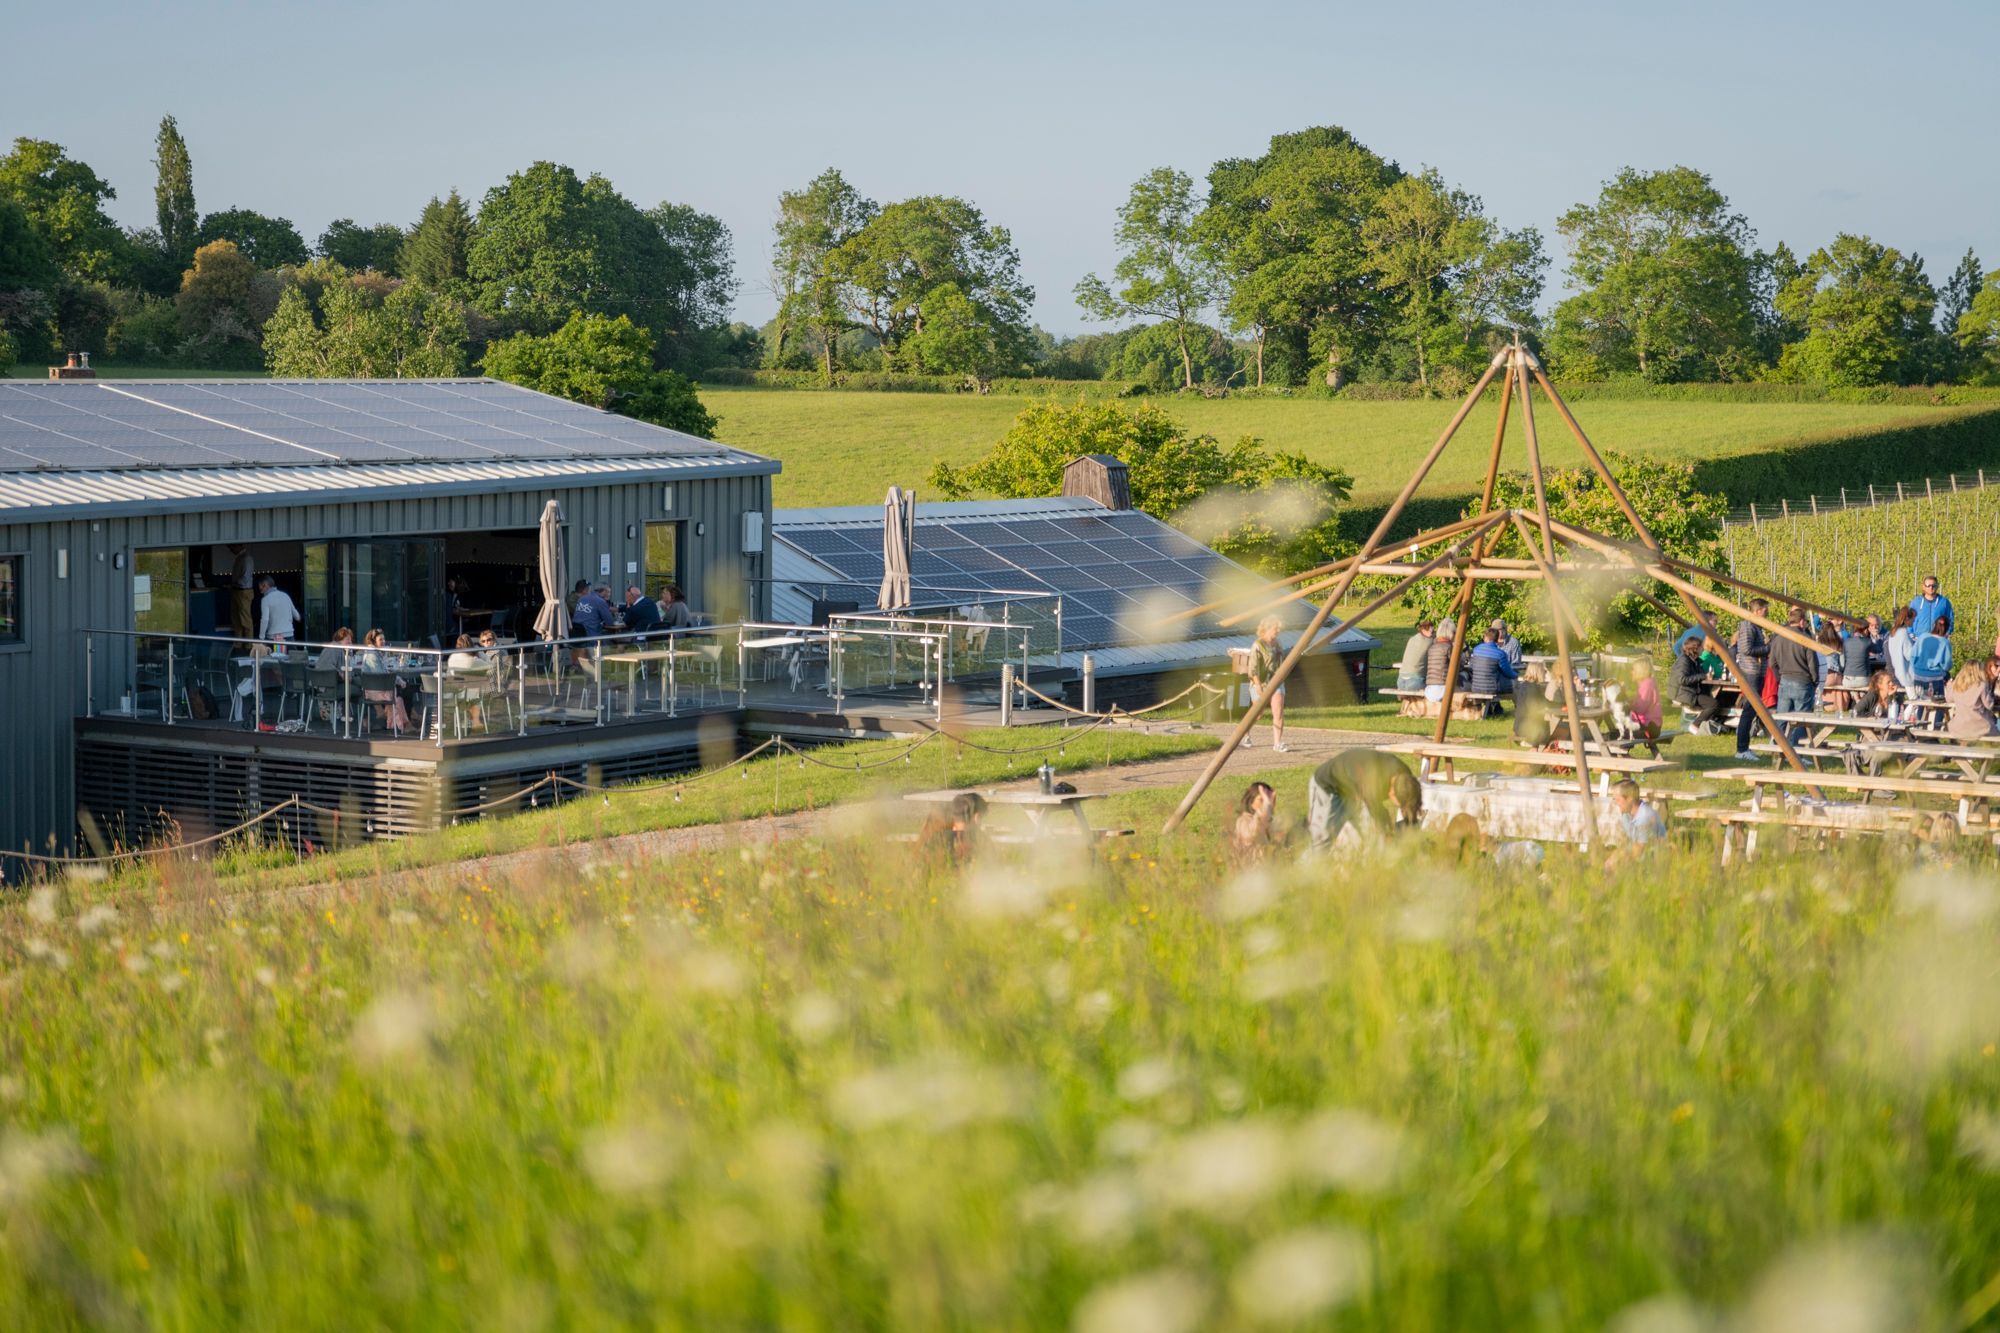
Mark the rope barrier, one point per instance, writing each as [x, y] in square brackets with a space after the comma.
[1118, 710]
[553, 779]
[288, 803]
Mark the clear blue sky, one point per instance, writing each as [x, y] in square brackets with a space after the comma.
[1813, 117]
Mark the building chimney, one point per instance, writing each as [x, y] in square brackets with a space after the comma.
[75, 367]
[1099, 477]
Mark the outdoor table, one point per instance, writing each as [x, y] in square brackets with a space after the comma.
[1974, 761]
[1964, 793]
[1822, 727]
[794, 663]
[1036, 805]
[634, 658]
[1429, 755]
[1518, 812]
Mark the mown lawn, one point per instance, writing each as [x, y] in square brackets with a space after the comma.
[843, 447]
[826, 1086]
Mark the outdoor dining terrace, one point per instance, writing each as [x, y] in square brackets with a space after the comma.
[200, 731]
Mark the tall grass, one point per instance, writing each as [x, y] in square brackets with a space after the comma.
[828, 1086]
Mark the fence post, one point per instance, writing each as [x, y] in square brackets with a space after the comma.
[1813, 500]
[1785, 508]
[1899, 492]
[1753, 513]
[1843, 497]
[1871, 495]
[1927, 488]
[1006, 694]
[1089, 683]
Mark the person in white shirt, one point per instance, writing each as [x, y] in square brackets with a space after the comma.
[280, 616]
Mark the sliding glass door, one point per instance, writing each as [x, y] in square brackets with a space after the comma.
[393, 584]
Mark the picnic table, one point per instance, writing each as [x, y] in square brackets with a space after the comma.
[1964, 793]
[1045, 810]
[1822, 727]
[1466, 705]
[1430, 755]
[1825, 818]
[1976, 762]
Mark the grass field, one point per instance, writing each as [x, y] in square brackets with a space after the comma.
[820, 1087]
[847, 447]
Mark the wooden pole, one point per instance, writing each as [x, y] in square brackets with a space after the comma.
[1579, 747]
[1459, 625]
[1318, 622]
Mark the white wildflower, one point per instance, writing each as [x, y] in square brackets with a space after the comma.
[1661, 1314]
[27, 1159]
[1921, 1001]
[711, 972]
[1262, 941]
[394, 1027]
[1224, 1169]
[42, 905]
[1954, 897]
[997, 892]
[266, 977]
[41, 950]
[1285, 974]
[1147, 1079]
[1166, 1300]
[1979, 1139]
[1056, 982]
[1103, 1210]
[1095, 1006]
[1228, 1094]
[935, 1096]
[1850, 1284]
[97, 918]
[1301, 1274]
[1252, 893]
[816, 1016]
[630, 1158]
[1349, 1150]
[1128, 1138]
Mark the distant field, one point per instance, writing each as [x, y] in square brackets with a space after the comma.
[846, 447]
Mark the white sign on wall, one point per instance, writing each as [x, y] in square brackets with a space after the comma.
[604, 565]
[142, 592]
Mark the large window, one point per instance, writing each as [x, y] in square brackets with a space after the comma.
[10, 599]
[159, 591]
[663, 555]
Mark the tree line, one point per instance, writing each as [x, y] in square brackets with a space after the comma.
[1316, 263]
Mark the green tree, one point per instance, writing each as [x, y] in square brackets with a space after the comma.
[885, 271]
[1274, 510]
[1286, 230]
[434, 253]
[1866, 311]
[607, 363]
[812, 226]
[173, 194]
[704, 275]
[1954, 300]
[217, 307]
[356, 247]
[1685, 521]
[956, 338]
[1770, 274]
[1151, 355]
[267, 242]
[64, 199]
[1450, 272]
[331, 324]
[28, 281]
[1165, 273]
[1978, 333]
[1662, 272]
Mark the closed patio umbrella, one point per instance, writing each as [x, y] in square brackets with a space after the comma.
[553, 621]
[899, 526]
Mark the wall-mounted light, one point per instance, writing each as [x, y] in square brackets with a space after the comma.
[701, 529]
[631, 531]
[62, 562]
[666, 499]
[118, 560]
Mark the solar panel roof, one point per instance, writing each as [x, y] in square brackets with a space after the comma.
[98, 425]
[1115, 570]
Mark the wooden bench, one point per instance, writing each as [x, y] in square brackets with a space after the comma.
[1964, 794]
[1465, 705]
[1836, 819]
[1975, 762]
[1805, 750]
[1429, 755]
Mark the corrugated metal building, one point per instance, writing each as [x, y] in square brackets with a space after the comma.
[127, 504]
[1122, 578]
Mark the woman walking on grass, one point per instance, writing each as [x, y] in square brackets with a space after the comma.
[1264, 666]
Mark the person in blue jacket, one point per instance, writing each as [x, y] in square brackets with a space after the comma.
[1931, 606]
[1492, 672]
[1930, 659]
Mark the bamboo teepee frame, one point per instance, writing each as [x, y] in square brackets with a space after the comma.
[1581, 553]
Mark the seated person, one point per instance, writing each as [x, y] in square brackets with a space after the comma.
[1689, 683]
[1375, 793]
[1532, 708]
[1970, 695]
[1437, 659]
[1880, 699]
[1492, 672]
[334, 657]
[951, 836]
[463, 658]
[1251, 838]
[1639, 824]
[675, 613]
[640, 612]
[1410, 671]
[1645, 710]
